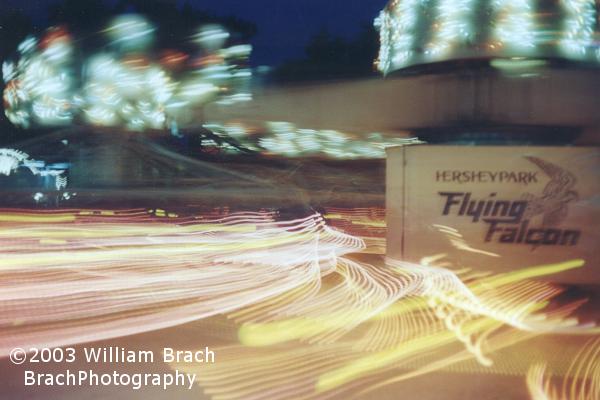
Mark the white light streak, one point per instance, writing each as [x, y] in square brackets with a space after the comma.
[514, 25]
[578, 30]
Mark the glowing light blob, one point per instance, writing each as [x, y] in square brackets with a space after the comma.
[124, 85]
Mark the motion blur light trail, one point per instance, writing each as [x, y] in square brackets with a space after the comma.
[287, 139]
[582, 381]
[365, 223]
[369, 326]
[316, 318]
[77, 276]
[366, 324]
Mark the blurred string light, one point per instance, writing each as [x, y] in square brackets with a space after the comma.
[410, 35]
[11, 160]
[211, 37]
[130, 32]
[39, 87]
[578, 27]
[126, 84]
[453, 26]
[286, 139]
[382, 23]
[515, 28]
[398, 27]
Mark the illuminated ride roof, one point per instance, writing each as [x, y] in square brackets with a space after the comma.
[421, 32]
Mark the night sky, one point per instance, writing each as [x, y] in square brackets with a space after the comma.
[284, 26]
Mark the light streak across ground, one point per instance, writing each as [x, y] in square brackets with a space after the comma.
[75, 276]
[581, 382]
[315, 317]
[369, 322]
[365, 323]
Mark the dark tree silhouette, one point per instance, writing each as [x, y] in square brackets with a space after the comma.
[331, 57]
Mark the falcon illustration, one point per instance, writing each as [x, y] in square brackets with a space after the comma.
[558, 193]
